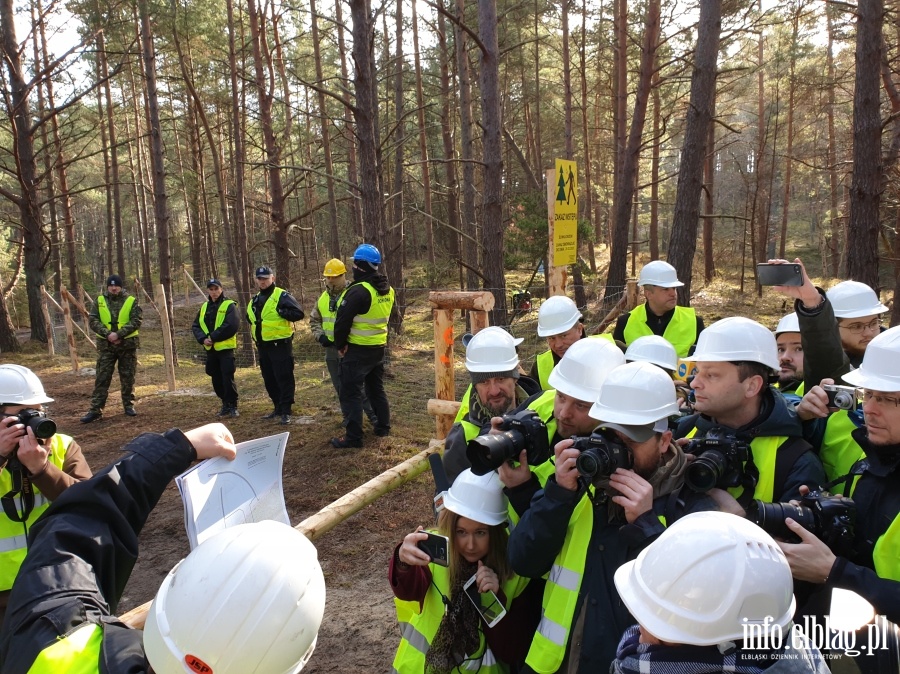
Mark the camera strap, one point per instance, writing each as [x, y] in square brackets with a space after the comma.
[21, 487]
[856, 470]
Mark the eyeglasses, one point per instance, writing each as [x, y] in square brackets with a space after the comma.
[887, 401]
[859, 328]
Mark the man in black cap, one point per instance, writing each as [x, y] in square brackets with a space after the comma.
[216, 329]
[115, 318]
[271, 313]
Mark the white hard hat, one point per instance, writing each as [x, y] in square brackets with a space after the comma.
[708, 576]
[249, 600]
[852, 299]
[789, 323]
[880, 367]
[492, 350]
[736, 339]
[653, 349]
[659, 273]
[581, 371]
[21, 386]
[478, 497]
[556, 315]
[636, 394]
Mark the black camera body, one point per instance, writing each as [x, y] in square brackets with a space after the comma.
[831, 518]
[601, 453]
[522, 430]
[719, 462]
[43, 426]
[840, 397]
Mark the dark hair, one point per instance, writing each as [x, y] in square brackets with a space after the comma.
[750, 368]
[495, 558]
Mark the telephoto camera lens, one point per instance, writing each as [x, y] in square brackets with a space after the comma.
[771, 516]
[488, 452]
[704, 472]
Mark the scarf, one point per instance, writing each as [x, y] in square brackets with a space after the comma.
[457, 636]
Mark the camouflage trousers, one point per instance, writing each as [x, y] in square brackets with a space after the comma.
[106, 364]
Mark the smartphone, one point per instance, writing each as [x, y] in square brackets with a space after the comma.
[437, 547]
[488, 604]
[779, 274]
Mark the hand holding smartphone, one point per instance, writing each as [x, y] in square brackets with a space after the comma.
[437, 547]
[790, 274]
[487, 603]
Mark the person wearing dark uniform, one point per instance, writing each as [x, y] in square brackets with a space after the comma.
[360, 336]
[215, 327]
[271, 313]
[115, 319]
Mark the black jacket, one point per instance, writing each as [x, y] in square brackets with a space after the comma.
[357, 300]
[227, 330]
[81, 553]
[287, 308]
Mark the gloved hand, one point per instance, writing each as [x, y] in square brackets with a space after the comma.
[324, 341]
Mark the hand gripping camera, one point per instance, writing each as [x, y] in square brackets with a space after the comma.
[601, 453]
[830, 518]
[43, 426]
[719, 461]
[522, 430]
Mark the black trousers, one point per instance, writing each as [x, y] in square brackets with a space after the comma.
[362, 369]
[276, 361]
[220, 368]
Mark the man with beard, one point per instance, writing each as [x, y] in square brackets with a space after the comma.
[580, 529]
[790, 356]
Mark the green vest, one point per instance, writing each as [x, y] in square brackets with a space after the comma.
[765, 453]
[76, 653]
[681, 332]
[229, 343]
[545, 362]
[839, 451]
[371, 328]
[885, 555]
[273, 326]
[464, 405]
[13, 534]
[324, 306]
[124, 314]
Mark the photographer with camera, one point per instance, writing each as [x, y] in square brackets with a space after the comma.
[34, 469]
[610, 495]
[753, 436]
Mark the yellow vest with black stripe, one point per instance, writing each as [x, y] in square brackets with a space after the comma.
[122, 319]
[681, 332]
[229, 343]
[13, 534]
[839, 451]
[323, 304]
[422, 624]
[273, 326]
[545, 362]
[77, 653]
[765, 454]
[371, 328]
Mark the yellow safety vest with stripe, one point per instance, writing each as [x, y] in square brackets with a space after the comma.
[124, 313]
[13, 534]
[273, 326]
[839, 451]
[765, 454]
[324, 306]
[371, 328]
[545, 362]
[76, 653]
[421, 625]
[231, 342]
[681, 332]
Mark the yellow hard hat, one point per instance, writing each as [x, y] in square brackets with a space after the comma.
[334, 267]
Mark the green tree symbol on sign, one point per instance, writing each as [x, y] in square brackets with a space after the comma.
[561, 184]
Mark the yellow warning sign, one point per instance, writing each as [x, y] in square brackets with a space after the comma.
[565, 213]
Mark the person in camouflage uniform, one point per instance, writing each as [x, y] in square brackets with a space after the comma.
[115, 318]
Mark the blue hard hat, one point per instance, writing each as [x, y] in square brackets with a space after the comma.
[366, 252]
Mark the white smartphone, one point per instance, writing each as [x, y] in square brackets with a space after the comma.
[488, 604]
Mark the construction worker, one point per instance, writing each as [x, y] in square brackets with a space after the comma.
[249, 599]
[321, 323]
[660, 315]
[360, 337]
[215, 327]
[272, 313]
[33, 472]
[790, 356]
[115, 319]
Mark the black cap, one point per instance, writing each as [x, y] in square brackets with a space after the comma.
[263, 271]
[213, 282]
[115, 280]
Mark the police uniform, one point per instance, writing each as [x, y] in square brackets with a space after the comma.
[218, 321]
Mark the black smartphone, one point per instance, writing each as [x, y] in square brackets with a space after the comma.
[779, 274]
[437, 547]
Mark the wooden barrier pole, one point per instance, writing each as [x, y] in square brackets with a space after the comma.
[63, 293]
[48, 324]
[477, 300]
[70, 333]
[631, 292]
[191, 279]
[437, 407]
[444, 384]
[478, 320]
[613, 313]
[167, 336]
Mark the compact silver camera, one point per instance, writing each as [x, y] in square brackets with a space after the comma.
[841, 397]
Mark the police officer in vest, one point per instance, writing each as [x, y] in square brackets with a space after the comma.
[271, 313]
[115, 318]
[215, 327]
[360, 336]
[33, 471]
[736, 358]
[659, 315]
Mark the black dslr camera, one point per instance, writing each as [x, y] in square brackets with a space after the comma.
[43, 426]
[522, 430]
[601, 453]
[830, 518]
[719, 461]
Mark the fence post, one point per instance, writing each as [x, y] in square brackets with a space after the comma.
[444, 382]
[631, 292]
[167, 338]
[48, 325]
[70, 332]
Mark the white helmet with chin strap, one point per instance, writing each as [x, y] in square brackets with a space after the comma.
[21, 386]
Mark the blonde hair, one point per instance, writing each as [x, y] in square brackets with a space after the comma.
[495, 559]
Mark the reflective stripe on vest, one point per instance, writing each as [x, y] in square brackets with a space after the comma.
[77, 653]
[273, 326]
[323, 304]
[765, 453]
[12, 534]
[839, 451]
[885, 555]
[371, 328]
[121, 319]
[681, 332]
[229, 343]
[545, 366]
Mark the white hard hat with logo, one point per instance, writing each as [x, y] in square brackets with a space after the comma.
[636, 394]
[706, 579]
[789, 323]
[653, 349]
[852, 299]
[659, 273]
[584, 367]
[477, 497]
[557, 315]
[737, 339]
[21, 386]
[492, 350]
[248, 600]
[880, 367]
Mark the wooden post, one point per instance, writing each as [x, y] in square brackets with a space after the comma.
[191, 279]
[444, 381]
[63, 293]
[436, 407]
[70, 332]
[556, 276]
[631, 292]
[478, 320]
[167, 337]
[48, 324]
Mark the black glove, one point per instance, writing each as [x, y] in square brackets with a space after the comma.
[324, 341]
